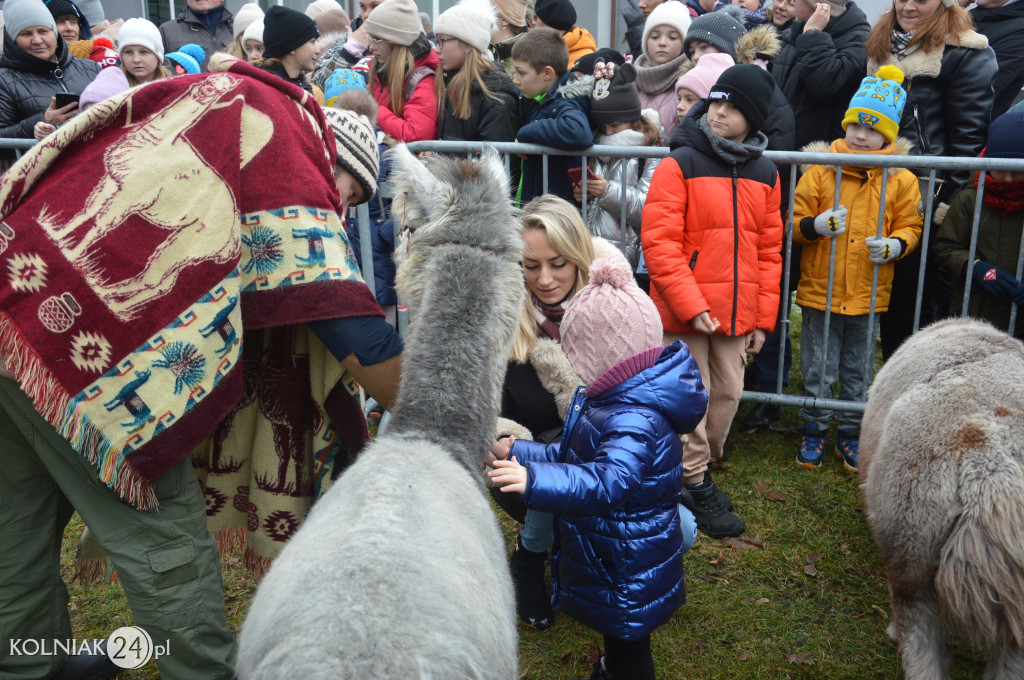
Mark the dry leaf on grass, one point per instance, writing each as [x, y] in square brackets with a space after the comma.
[810, 569]
[845, 549]
[881, 611]
[744, 542]
[762, 489]
[743, 656]
[798, 660]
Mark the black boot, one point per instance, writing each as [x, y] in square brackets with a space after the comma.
[760, 418]
[93, 665]
[711, 510]
[532, 600]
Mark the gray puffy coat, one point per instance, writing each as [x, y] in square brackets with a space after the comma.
[604, 214]
[189, 27]
[27, 83]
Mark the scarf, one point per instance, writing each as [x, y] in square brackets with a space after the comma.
[1005, 198]
[124, 314]
[651, 79]
[900, 41]
[730, 151]
[549, 317]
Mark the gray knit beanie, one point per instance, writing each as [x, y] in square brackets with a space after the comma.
[20, 14]
[718, 29]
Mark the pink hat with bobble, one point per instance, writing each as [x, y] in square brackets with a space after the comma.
[611, 330]
[702, 77]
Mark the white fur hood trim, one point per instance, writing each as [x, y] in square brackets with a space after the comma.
[919, 63]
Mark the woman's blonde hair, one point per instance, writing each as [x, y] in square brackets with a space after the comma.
[161, 73]
[395, 71]
[458, 91]
[570, 239]
[236, 49]
[930, 34]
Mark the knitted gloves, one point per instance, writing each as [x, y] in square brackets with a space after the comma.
[996, 281]
[883, 249]
[831, 222]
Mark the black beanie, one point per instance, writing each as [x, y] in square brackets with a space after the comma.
[558, 14]
[585, 64]
[60, 8]
[284, 30]
[747, 87]
[615, 101]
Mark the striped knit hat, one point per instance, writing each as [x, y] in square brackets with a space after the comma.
[356, 144]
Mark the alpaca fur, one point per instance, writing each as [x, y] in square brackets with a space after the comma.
[400, 569]
[942, 468]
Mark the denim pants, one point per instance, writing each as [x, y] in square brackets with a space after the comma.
[850, 343]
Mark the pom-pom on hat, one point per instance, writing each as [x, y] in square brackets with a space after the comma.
[141, 33]
[356, 144]
[719, 29]
[20, 14]
[611, 330]
[284, 30]
[181, 63]
[558, 14]
[748, 88]
[109, 82]
[675, 15]
[616, 100]
[879, 102]
[247, 15]
[1006, 136]
[512, 11]
[702, 77]
[395, 20]
[471, 21]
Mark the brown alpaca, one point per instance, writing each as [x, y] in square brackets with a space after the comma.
[942, 468]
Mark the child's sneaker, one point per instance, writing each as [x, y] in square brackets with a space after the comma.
[848, 448]
[812, 448]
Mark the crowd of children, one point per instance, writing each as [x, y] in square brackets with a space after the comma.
[705, 227]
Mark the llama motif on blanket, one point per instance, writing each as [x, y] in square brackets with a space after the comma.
[942, 468]
[401, 572]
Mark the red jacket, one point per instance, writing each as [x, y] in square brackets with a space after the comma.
[712, 238]
[419, 116]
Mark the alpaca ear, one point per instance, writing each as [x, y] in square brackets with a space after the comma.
[494, 165]
[411, 176]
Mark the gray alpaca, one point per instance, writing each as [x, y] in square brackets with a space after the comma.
[400, 569]
[942, 468]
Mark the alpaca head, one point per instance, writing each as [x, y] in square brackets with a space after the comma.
[450, 201]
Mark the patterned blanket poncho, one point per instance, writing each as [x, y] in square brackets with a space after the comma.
[140, 243]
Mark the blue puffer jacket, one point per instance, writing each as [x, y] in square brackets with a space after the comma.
[614, 484]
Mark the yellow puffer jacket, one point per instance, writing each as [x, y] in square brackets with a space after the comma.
[859, 192]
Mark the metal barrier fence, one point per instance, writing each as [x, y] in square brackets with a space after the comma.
[787, 162]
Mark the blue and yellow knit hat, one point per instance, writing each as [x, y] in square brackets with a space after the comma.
[340, 80]
[879, 102]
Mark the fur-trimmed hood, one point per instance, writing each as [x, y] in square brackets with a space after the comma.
[759, 43]
[327, 39]
[582, 86]
[901, 147]
[916, 62]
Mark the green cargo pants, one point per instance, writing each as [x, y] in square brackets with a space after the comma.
[166, 559]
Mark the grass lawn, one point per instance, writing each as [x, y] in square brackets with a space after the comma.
[804, 597]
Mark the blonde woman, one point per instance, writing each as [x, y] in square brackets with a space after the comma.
[402, 74]
[539, 384]
[479, 102]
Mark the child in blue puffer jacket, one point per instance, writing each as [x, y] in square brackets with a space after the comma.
[614, 482]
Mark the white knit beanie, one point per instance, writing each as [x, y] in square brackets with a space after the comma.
[675, 15]
[471, 21]
[20, 14]
[253, 32]
[315, 9]
[395, 20]
[247, 14]
[141, 33]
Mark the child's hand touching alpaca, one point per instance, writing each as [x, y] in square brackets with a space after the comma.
[510, 473]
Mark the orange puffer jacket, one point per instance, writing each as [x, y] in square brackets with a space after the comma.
[712, 238]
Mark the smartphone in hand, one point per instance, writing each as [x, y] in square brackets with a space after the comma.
[65, 98]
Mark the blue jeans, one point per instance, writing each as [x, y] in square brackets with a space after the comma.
[847, 359]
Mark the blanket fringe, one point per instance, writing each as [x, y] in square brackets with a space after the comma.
[258, 565]
[230, 540]
[47, 393]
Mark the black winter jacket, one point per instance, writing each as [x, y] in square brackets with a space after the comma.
[1004, 28]
[490, 119]
[819, 71]
[27, 83]
[949, 103]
